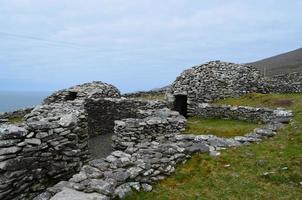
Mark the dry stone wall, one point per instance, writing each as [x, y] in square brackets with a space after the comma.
[159, 126]
[218, 80]
[285, 83]
[52, 143]
[136, 166]
[50, 146]
[244, 113]
[82, 92]
[103, 111]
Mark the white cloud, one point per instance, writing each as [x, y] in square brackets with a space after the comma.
[140, 35]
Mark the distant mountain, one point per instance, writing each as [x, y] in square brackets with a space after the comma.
[280, 64]
[162, 89]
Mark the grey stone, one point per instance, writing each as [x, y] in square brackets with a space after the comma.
[68, 120]
[11, 132]
[122, 190]
[102, 186]
[147, 187]
[119, 176]
[9, 150]
[198, 147]
[8, 143]
[70, 194]
[33, 141]
[134, 171]
[43, 196]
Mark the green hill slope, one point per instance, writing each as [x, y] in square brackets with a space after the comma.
[280, 64]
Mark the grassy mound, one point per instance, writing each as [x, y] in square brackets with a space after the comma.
[218, 127]
[269, 170]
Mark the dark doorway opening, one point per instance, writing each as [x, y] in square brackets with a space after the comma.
[181, 104]
[71, 96]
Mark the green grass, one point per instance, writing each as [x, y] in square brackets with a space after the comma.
[218, 127]
[15, 120]
[239, 173]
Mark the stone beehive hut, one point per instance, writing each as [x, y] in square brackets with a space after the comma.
[211, 81]
[82, 92]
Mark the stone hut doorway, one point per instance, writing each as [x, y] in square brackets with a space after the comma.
[71, 96]
[181, 104]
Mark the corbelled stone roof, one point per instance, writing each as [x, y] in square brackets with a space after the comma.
[81, 92]
[216, 79]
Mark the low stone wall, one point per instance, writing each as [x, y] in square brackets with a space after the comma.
[141, 164]
[285, 83]
[245, 113]
[50, 146]
[160, 126]
[103, 111]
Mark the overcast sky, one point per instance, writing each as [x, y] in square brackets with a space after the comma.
[136, 44]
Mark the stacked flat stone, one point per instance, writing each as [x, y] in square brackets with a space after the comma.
[216, 80]
[285, 83]
[160, 126]
[243, 113]
[84, 91]
[103, 111]
[138, 165]
[51, 145]
[136, 169]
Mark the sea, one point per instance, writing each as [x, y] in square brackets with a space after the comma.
[14, 100]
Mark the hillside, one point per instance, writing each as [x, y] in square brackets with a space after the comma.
[280, 64]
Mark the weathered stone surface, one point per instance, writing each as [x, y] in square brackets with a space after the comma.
[70, 194]
[147, 141]
[199, 147]
[9, 150]
[122, 190]
[217, 80]
[68, 120]
[8, 131]
[147, 187]
[95, 89]
[102, 186]
[43, 196]
[8, 143]
[33, 141]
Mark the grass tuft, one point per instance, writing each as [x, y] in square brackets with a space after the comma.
[15, 120]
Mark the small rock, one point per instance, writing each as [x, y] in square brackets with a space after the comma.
[214, 153]
[70, 194]
[33, 141]
[122, 190]
[147, 187]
